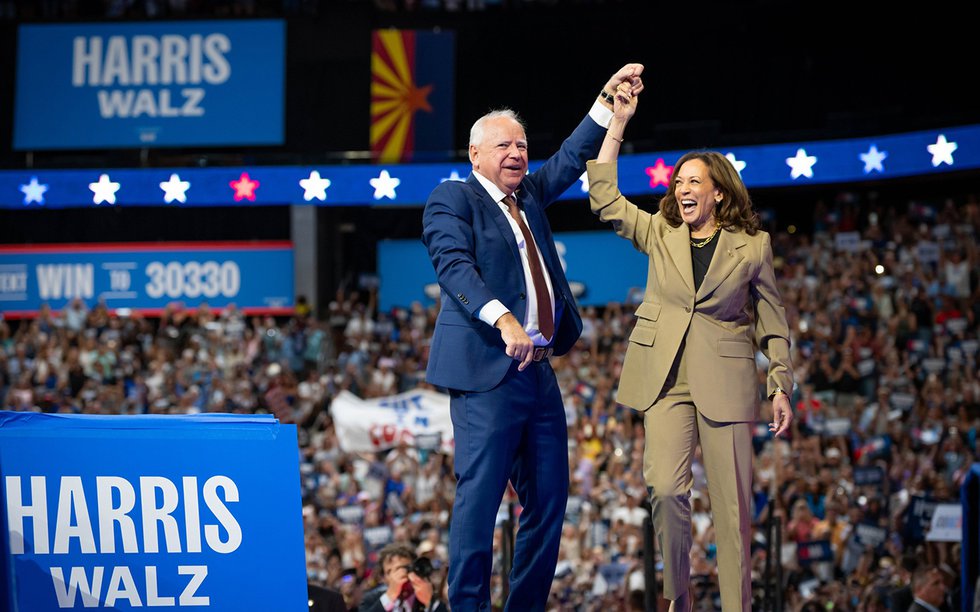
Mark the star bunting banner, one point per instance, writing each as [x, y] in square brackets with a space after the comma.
[775, 165]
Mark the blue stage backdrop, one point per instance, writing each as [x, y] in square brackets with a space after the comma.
[177, 512]
[601, 267]
[255, 276]
[84, 86]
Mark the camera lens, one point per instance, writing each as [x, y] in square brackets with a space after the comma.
[422, 567]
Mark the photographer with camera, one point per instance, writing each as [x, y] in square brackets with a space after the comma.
[406, 584]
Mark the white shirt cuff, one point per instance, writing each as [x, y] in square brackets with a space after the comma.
[491, 311]
[386, 603]
[600, 114]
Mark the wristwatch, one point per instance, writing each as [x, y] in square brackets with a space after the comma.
[775, 392]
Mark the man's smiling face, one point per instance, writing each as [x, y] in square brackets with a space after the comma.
[501, 156]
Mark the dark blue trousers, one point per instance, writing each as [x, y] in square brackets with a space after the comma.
[515, 432]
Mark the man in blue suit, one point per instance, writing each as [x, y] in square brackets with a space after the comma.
[506, 308]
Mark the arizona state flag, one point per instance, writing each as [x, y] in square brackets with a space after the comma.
[412, 87]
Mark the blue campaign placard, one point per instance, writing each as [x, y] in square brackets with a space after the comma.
[175, 512]
[147, 277]
[814, 552]
[84, 86]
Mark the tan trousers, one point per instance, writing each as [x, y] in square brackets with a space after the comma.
[673, 428]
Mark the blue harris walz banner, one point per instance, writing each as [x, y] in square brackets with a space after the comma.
[147, 276]
[83, 86]
[194, 512]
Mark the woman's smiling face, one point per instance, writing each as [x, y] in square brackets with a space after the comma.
[696, 194]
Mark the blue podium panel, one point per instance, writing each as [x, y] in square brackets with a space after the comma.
[174, 512]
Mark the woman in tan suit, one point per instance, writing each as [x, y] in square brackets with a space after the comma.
[710, 300]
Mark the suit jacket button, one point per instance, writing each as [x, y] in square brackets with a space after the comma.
[687, 309]
[522, 296]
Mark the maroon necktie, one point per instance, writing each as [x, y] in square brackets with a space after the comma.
[546, 318]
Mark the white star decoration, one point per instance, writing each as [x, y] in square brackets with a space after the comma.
[942, 151]
[314, 187]
[384, 185]
[739, 165]
[104, 191]
[33, 191]
[175, 189]
[801, 164]
[585, 182]
[872, 160]
[453, 176]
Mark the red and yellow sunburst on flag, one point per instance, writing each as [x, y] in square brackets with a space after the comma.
[395, 97]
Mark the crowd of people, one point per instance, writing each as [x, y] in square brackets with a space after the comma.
[883, 303]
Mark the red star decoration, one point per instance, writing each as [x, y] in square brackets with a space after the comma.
[660, 173]
[244, 188]
[417, 98]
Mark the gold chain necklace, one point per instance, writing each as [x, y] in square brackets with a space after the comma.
[698, 245]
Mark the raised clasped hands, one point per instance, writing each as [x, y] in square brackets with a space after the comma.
[629, 74]
[625, 86]
[624, 104]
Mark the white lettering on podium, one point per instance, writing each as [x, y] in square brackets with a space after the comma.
[189, 597]
[153, 514]
[77, 583]
[159, 500]
[18, 511]
[192, 515]
[71, 500]
[110, 515]
[153, 598]
[221, 513]
[121, 585]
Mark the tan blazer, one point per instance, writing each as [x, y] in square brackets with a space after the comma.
[738, 302]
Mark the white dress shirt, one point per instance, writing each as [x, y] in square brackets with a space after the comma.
[494, 309]
[491, 311]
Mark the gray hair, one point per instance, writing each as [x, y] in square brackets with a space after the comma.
[476, 132]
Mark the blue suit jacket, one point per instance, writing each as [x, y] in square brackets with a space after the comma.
[476, 259]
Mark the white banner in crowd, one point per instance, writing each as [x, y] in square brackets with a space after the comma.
[420, 418]
[849, 242]
[947, 524]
